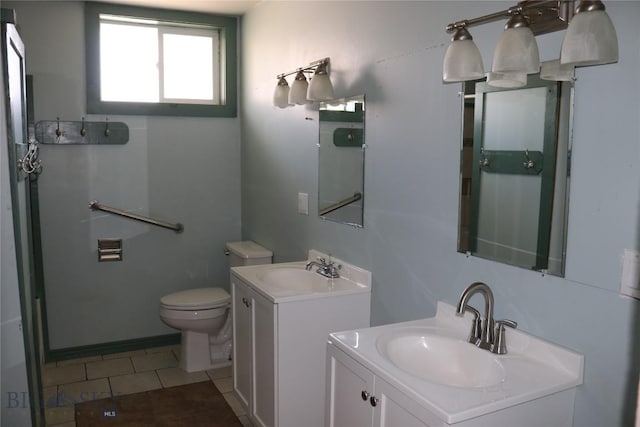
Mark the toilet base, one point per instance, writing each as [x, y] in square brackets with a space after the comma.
[197, 353]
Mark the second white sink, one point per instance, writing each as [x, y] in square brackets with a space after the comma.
[431, 355]
[299, 279]
[290, 281]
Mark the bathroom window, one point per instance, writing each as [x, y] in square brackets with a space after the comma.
[159, 62]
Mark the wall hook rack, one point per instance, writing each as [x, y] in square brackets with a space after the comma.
[82, 132]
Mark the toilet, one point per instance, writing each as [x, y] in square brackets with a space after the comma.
[202, 314]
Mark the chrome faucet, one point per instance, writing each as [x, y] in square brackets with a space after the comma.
[326, 269]
[484, 330]
[485, 340]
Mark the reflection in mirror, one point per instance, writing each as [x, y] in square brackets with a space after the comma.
[515, 173]
[341, 154]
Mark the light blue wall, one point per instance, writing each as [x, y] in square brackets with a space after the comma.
[392, 52]
[183, 170]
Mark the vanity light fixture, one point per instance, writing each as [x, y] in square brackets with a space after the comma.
[462, 61]
[303, 92]
[298, 91]
[554, 70]
[590, 39]
[320, 88]
[281, 94]
[517, 50]
[507, 80]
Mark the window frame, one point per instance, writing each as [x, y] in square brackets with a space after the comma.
[228, 59]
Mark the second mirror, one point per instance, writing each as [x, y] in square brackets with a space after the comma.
[341, 164]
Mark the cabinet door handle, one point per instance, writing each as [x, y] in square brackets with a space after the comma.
[365, 395]
[373, 401]
[246, 302]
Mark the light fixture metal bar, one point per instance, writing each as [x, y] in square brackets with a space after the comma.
[451, 28]
[544, 16]
[308, 69]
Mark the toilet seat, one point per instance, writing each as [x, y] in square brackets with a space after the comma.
[196, 299]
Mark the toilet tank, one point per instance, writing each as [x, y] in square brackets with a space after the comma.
[247, 253]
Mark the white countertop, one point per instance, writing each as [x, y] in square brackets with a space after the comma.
[352, 280]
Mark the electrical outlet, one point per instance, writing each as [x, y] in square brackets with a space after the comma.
[630, 282]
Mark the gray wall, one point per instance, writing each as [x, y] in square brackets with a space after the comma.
[392, 52]
[178, 169]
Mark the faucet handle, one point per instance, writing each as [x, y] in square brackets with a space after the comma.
[500, 345]
[324, 262]
[476, 327]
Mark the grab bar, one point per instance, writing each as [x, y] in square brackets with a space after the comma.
[341, 203]
[96, 206]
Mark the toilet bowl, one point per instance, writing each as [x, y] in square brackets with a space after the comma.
[203, 314]
[203, 317]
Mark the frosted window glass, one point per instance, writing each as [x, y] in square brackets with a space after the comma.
[188, 67]
[128, 63]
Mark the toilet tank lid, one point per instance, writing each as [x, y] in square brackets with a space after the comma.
[248, 250]
[201, 298]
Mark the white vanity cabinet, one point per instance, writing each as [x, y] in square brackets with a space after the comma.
[279, 352]
[254, 352]
[357, 398]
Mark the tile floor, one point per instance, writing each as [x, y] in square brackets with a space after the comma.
[91, 378]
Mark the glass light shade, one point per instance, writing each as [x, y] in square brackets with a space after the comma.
[462, 61]
[298, 91]
[507, 80]
[590, 40]
[320, 88]
[281, 94]
[553, 70]
[516, 52]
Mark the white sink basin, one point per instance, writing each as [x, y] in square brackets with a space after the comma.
[297, 279]
[290, 281]
[428, 354]
[431, 361]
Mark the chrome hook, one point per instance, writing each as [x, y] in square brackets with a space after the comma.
[58, 131]
[484, 161]
[106, 130]
[83, 131]
[529, 164]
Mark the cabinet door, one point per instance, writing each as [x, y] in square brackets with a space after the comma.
[349, 390]
[242, 341]
[395, 409]
[264, 385]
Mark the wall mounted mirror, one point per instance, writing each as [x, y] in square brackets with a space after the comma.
[341, 156]
[515, 173]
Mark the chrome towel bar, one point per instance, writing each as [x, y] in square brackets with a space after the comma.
[96, 206]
